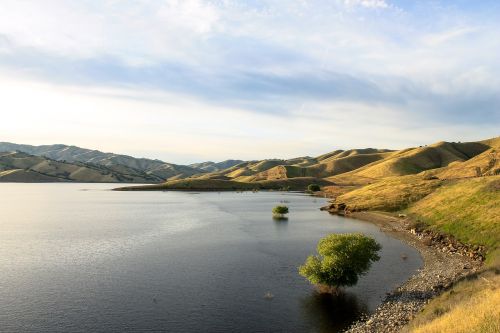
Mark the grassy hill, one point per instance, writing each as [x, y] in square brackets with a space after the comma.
[457, 194]
[447, 187]
[27, 176]
[359, 167]
[470, 306]
[323, 166]
[22, 167]
[154, 169]
[355, 167]
[468, 209]
[485, 164]
[213, 166]
[389, 194]
[415, 160]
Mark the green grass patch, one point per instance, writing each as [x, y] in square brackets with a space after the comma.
[467, 209]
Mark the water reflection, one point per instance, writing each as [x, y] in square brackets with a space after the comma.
[329, 313]
[281, 222]
[104, 261]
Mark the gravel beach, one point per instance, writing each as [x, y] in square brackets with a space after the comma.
[445, 262]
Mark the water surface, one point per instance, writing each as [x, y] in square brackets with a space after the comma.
[77, 257]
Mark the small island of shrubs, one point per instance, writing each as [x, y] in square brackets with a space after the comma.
[313, 188]
[280, 211]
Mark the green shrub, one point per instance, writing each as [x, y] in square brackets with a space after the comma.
[313, 188]
[341, 259]
[280, 211]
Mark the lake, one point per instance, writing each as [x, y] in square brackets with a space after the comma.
[78, 257]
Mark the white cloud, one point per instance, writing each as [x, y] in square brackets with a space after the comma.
[237, 48]
[367, 3]
[138, 32]
[181, 129]
[438, 38]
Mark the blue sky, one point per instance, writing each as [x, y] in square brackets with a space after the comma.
[196, 80]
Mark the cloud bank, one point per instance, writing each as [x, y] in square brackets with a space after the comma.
[349, 73]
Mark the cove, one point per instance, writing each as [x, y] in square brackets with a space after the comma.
[80, 257]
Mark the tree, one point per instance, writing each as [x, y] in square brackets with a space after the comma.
[341, 259]
[313, 188]
[280, 211]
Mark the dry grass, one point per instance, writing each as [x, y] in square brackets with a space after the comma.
[342, 164]
[357, 166]
[468, 209]
[335, 191]
[484, 164]
[334, 165]
[416, 160]
[471, 306]
[390, 194]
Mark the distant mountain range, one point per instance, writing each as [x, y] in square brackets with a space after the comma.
[69, 163]
[40, 165]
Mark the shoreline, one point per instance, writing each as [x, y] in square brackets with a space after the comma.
[441, 268]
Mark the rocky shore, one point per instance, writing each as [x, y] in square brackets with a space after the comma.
[445, 261]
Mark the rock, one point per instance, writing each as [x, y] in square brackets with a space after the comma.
[268, 296]
[446, 262]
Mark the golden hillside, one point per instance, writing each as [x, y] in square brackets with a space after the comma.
[356, 167]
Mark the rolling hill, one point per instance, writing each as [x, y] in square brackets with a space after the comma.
[352, 167]
[22, 167]
[213, 166]
[451, 189]
[410, 174]
[156, 170]
[337, 162]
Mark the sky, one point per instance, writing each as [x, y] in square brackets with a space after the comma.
[191, 80]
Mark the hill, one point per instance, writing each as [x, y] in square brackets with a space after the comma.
[354, 167]
[485, 164]
[156, 170]
[450, 190]
[458, 201]
[334, 163]
[474, 205]
[436, 157]
[415, 160]
[213, 166]
[22, 167]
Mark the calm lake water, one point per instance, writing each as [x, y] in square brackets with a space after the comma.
[77, 257]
